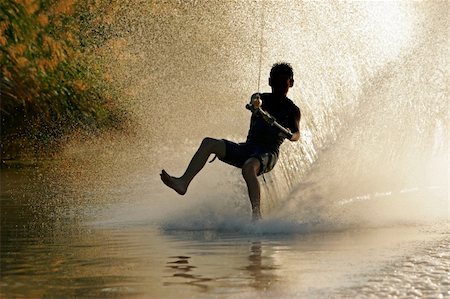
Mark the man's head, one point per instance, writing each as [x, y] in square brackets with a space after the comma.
[281, 78]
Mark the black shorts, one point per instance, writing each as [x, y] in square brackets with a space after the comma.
[237, 153]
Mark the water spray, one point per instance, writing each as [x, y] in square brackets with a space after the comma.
[261, 39]
[256, 102]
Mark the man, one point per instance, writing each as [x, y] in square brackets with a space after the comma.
[259, 153]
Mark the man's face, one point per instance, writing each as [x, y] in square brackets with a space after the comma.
[281, 83]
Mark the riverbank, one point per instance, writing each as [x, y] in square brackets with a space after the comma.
[53, 81]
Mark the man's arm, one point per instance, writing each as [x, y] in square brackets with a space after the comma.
[296, 125]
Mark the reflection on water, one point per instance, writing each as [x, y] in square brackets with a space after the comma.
[181, 268]
[144, 262]
[260, 268]
[258, 274]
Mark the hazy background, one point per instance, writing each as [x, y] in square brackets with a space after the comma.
[371, 79]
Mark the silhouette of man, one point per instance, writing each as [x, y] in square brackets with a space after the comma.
[259, 153]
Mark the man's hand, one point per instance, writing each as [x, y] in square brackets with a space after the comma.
[295, 136]
[284, 135]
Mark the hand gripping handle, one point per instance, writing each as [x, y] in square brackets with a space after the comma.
[255, 107]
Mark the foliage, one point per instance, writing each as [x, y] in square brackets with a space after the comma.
[51, 82]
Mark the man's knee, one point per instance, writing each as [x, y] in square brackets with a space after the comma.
[251, 167]
[208, 142]
[215, 146]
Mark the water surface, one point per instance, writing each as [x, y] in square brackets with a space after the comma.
[89, 252]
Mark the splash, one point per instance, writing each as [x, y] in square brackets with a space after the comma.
[371, 80]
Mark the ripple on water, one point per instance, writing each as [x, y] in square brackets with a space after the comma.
[424, 274]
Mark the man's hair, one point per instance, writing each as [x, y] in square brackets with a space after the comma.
[281, 68]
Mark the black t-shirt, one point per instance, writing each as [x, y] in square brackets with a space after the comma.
[285, 112]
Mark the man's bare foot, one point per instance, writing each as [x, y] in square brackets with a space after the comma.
[256, 215]
[174, 183]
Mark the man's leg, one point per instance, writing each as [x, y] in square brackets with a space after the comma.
[207, 147]
[250, 171]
